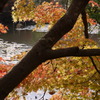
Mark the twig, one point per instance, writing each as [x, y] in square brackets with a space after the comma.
[94, 64]
[42, 98]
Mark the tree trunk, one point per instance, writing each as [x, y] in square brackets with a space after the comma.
[38, 53]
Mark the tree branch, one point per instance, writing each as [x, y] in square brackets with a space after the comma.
[87, 36]
[36, 55]
[84, 18]
[74, 51]
[94, 64]
[42, 98]
[66, 23]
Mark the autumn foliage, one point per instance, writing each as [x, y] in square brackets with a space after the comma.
[3, 29]
[41, 14]
[68, 76]
[93, 3]
[71, 77]
[48, 13]
[4, 68]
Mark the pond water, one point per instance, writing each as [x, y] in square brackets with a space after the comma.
[22, 36]
[17, 41]
[27, 36]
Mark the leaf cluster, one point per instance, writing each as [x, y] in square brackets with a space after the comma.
[23, 10]
[3, 29]
[93, 10]
[41, 14]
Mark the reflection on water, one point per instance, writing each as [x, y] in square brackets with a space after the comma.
[22, 36]
[29, 38]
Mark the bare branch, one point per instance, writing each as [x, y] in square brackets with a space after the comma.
[42, 98]
[94, 64]
[87, 36]
[74, 51]
[84, 18]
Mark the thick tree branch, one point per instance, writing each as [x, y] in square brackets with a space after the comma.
[36, 54]
[66, 23]
[74, 51]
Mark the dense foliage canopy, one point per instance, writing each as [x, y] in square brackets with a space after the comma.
[70, 78]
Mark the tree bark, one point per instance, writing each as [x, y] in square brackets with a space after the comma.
[84, 17]
[74, 51]
[37, 54]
